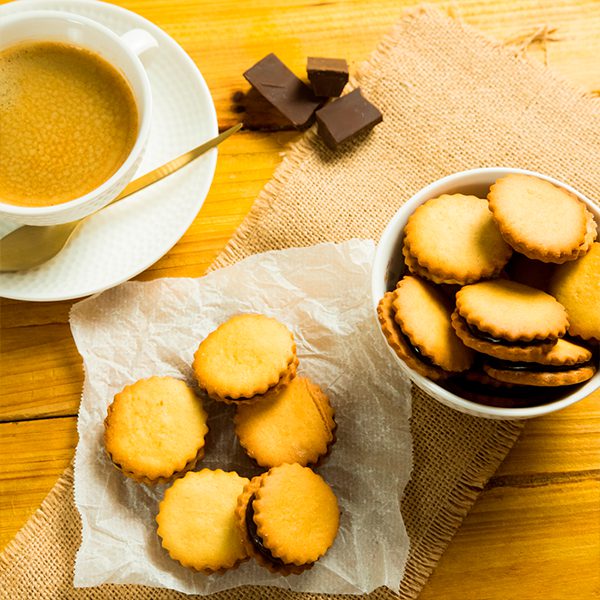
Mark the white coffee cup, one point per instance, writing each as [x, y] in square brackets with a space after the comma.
[123, 53]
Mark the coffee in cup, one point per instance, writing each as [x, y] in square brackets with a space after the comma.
[68, 121]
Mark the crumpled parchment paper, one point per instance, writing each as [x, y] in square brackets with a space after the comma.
[139, 329]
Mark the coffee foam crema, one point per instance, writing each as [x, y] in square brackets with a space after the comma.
[68, 121]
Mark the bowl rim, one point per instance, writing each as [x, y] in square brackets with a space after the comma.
[381, 259]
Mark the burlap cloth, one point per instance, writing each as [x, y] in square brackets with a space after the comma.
[452, 100]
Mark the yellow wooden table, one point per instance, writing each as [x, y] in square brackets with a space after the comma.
[535, 530]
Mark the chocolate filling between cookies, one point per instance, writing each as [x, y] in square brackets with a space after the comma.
[257, 541]
[486, 337]
[533, 367]
[418, 354]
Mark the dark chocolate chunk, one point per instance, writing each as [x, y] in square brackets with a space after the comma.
[328, 76]
[346, 117]
[288, 94]
[418, 354]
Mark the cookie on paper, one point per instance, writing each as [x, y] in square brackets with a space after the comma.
[154, 430]
[197, 524]
[244, 358]
[288, 518]
[295, 425]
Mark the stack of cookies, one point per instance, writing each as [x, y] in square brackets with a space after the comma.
[502, 294]
[212, 520]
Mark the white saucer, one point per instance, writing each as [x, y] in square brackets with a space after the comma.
[128, 237]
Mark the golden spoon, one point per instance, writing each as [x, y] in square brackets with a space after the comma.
[31, 245]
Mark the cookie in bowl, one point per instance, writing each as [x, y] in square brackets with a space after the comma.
[454, 239]
[154, 430]
[415, 319]
[508, 320]
[566, 363]
[541, 220]
[576, 285]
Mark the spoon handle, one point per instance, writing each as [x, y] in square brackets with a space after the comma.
[30, 246]
[175, 164]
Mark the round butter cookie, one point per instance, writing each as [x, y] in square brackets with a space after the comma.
[511, 312]
[540, 220]
[154, 430]
[567, 363]
[197, 523]
[423, 313]
[288, 517]
[498, 347]
[401, 344]
[414, 267]
[455, 239]
[295, 425]
[576, 285]
[245, 357]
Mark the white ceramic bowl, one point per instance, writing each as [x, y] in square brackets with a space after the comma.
[389, 266]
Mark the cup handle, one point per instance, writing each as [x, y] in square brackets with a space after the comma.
[138, 41]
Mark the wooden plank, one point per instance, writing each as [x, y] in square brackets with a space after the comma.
[41, 373]
[525, 542]
[564, 443]
[32, 456]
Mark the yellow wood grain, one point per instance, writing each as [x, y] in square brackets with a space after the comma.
[32, 456]
[565, 442]
[525, 542]
[535, 532]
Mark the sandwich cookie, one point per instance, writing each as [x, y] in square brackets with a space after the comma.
[540, 220]
[154, 430]
[508, 320]
[566, 363]
[422, 312]
[197, 524]
[401, 344]
[576, 285]
[288, 518]
[244, 358]
[294, 425]
[454, 239]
